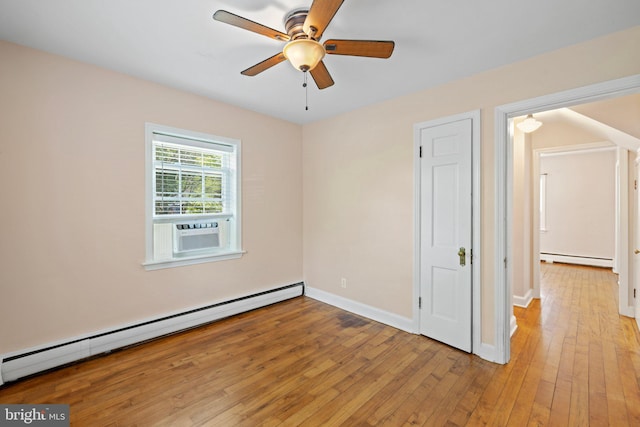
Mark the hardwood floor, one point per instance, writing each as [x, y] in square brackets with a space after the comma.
[575, 362]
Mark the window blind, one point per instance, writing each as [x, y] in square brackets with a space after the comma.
[190, 177]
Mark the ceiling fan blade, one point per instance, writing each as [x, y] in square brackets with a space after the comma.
[321, 76]
[320, 14]
[368, 48]
[264, 65]
[246, 24]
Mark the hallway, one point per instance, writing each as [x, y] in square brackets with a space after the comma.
[582, 359]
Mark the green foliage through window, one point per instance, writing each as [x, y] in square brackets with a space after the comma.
[188, 180]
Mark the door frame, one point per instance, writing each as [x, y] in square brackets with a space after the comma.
[636, 240]
[476, 327]
[504, 115]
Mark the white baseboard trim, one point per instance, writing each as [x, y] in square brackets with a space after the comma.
[570, 259]
[514, 325]
[373, 313]
[487, 352]
[629, 311]
[484, 351]
[523, 301]
[26, 362]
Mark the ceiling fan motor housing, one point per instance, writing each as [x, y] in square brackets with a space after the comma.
[293, 23]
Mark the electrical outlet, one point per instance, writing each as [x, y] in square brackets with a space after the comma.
[343, 283]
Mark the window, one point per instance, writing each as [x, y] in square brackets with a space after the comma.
[193, 194]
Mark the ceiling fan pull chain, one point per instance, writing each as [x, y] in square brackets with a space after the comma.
[306, 92]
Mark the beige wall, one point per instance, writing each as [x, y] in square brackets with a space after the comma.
[581, 204]
[557, 135]
[73, 219]
[72, 142]
[358, 172]
[521, 275]
[561, 134]
[620, 113]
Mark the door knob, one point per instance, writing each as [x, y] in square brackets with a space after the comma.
[637, 251]
[462, 253]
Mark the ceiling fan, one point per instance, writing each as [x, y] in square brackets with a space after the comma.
[304, 28]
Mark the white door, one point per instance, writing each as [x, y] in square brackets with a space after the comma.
[445, 233]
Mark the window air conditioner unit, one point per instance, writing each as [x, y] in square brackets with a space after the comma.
[196, 237]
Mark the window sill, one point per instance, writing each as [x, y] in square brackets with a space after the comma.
[179, 262]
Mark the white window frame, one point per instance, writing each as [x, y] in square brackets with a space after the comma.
[198, 140]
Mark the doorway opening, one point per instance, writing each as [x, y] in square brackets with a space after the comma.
[505, 116]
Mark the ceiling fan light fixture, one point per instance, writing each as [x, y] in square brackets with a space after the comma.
[304, 54]
[529, 124]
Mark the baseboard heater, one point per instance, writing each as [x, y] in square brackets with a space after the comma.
[575, 259]
[18, 365]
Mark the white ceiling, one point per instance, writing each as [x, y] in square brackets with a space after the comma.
[178, 44]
